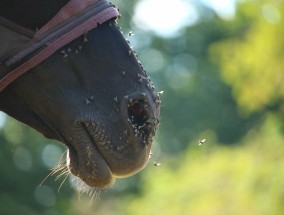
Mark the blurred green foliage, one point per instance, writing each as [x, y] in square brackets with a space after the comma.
[253, 64]
[223, 82]
[212, 179]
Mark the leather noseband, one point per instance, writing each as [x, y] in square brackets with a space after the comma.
[76, 18]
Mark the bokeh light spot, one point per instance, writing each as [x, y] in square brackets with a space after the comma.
[45, 196]
[165, 17]
[152, 59]
[270, 14]
[3, 118]
[51, 155]
[22, 158]
[178, 76]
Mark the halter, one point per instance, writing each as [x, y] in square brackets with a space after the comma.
[76, 18]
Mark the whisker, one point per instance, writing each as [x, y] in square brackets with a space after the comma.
[60, 170]
[62, 174]
[49, 174]
[62, 182]
[57, 169]
[59, 166]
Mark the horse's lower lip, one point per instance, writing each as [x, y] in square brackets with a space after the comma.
[87, 162]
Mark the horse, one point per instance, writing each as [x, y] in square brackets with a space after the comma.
[89, 92]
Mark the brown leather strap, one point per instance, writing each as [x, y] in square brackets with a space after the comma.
[51, 38]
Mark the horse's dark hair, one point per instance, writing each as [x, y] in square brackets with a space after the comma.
[30, 13]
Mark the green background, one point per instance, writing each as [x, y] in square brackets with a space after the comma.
[223, 82]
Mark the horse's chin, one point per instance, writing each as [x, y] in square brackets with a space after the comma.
[85, 161]
[95, 172]
[97, 175]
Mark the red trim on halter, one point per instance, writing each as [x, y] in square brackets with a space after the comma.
[69, 11]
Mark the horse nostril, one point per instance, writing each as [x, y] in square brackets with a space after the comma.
[137, 112]
[138, 115]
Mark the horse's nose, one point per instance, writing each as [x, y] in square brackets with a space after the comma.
[140, 111]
